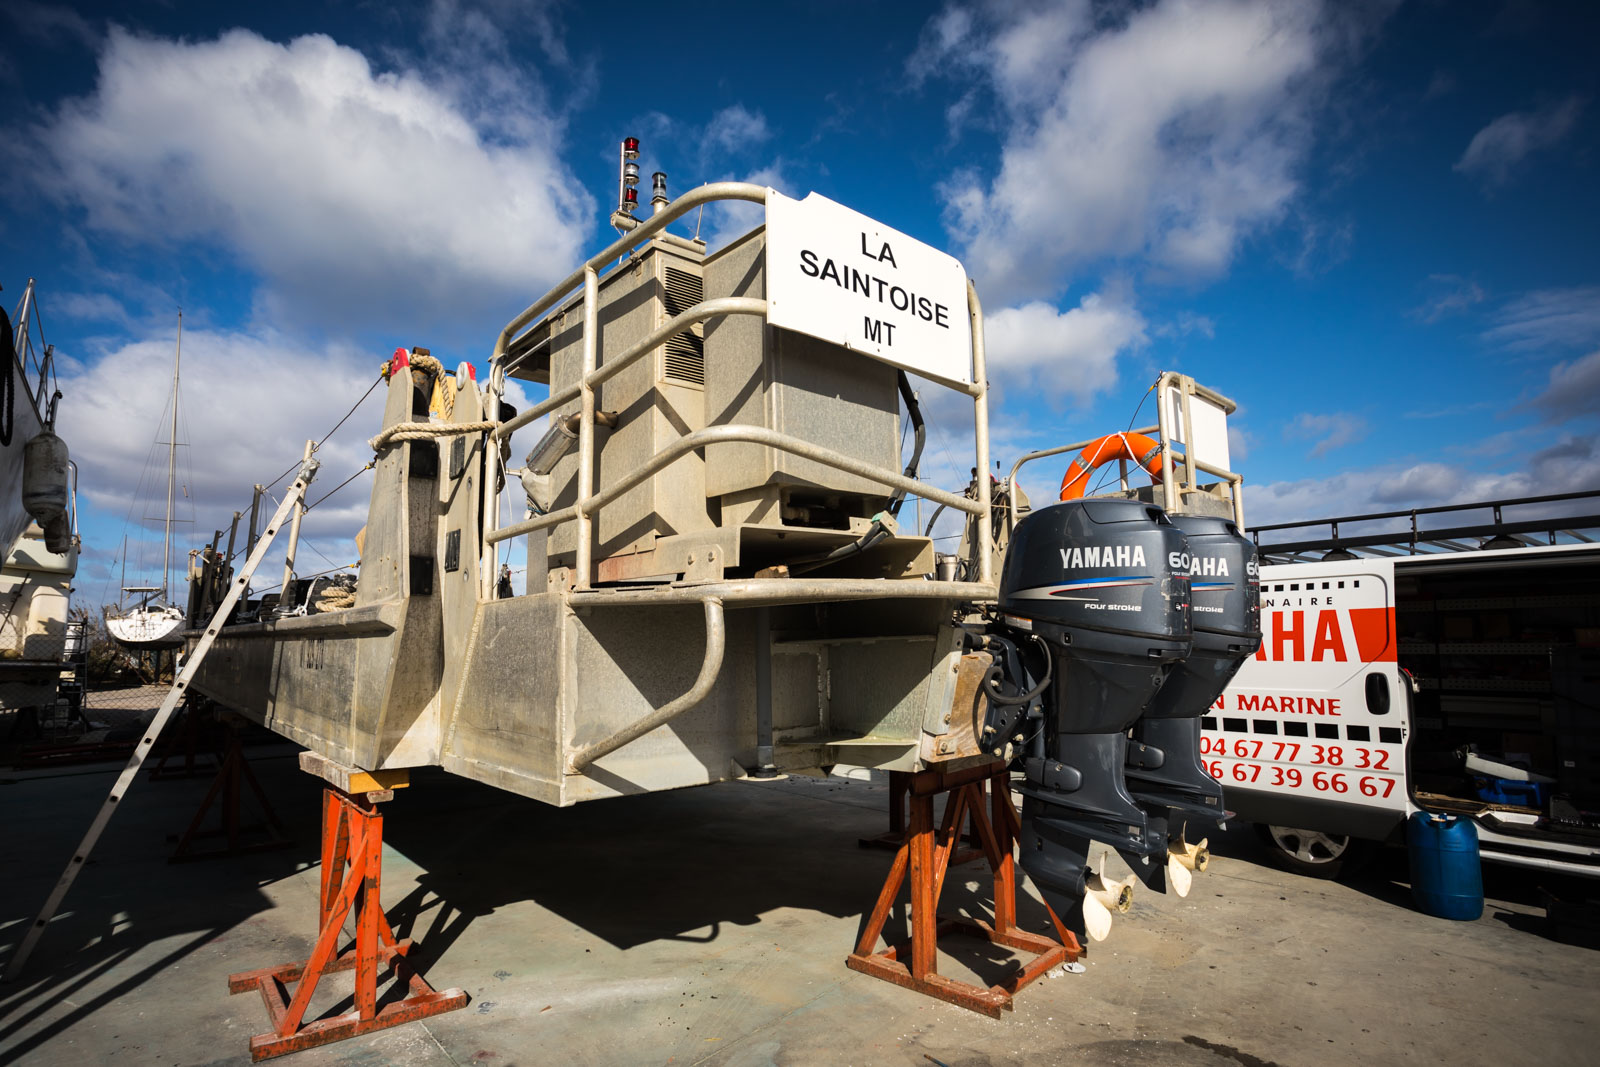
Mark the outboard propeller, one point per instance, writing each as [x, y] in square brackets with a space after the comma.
[1184, 861]
[1103, 585]
[1104, 898]
[1164, 772]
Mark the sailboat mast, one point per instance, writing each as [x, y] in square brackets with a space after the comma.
[172, 467]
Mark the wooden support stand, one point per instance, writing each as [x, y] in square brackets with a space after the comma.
[892, 838]
[188, 743]
[895, 836]
[352, 836]
[233, 773]
[926, 854]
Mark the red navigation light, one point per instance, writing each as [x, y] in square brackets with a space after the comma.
[630, 197]
[630, 147]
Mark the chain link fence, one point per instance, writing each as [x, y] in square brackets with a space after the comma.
[76, 695]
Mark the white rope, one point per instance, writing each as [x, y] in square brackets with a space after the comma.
[422, 431]
[335, 598]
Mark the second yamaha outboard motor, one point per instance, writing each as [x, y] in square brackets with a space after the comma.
[1104, 586]
[1165, 772]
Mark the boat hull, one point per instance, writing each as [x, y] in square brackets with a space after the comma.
[147, 630]
[25, 426]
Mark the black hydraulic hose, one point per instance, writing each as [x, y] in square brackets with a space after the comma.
[919, 430]
[1024, 698]
[996, 672]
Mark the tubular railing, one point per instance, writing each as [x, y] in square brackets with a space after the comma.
[1583, 527]
[41, 362]
[1177, 462]
[591, 375]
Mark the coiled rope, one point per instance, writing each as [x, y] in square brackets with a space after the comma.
[423, 431]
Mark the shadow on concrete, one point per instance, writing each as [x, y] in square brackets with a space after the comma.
[128, 897]
[673, 866]
[1383, 873]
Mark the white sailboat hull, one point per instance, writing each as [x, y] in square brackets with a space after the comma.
[147, 628]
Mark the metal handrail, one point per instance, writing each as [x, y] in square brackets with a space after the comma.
[1166, 380]
[22, 352]
[710, 666]
[591, 375]
[735, 433]
[633, 238]
[706, 309]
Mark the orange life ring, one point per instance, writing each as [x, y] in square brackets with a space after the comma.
[1135, 447]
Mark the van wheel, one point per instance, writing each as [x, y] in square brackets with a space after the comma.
[1309, 852]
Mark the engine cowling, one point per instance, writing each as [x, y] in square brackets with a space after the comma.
[1164, 770]
[1104, 585]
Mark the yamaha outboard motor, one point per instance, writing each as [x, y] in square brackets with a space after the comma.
[1102, 585]
[1164, 769]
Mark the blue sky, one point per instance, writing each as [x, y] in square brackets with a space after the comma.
[1372, 224]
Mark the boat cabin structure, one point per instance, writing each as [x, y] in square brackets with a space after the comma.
[718, 582]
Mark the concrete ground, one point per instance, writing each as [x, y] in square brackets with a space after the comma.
[710, 926]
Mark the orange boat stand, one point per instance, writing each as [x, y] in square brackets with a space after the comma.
[352, 868]
[926, 855]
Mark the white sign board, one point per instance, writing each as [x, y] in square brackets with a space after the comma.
[835, 274]
[1207, 440]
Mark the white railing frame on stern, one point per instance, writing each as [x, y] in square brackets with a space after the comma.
[589, 502]
[1178, 469]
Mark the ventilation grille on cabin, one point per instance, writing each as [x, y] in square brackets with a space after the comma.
[683, 358]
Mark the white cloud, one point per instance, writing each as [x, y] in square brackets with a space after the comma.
[353, 192]
[1549, 318]
[1496, 149]
[1448, 294]
[1240, 442]
[51, 23]
[1423, 483]
[1330, 431]
[1574, 389]
[1173, 132]
[93, 307]
[1070, 353]
[737, 129]
[1186, 323]
[1572, 464]
[250, 400]
[945, 35]
[727, 220]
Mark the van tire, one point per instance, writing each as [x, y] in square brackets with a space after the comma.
[1311, 852]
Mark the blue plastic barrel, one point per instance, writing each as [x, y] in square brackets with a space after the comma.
[1446, 878]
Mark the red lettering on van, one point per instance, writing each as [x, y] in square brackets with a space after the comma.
[1329, 638]
[1295, 635]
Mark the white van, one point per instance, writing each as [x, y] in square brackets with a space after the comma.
[1457, 681]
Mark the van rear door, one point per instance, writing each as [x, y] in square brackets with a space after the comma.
[1312, 732]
